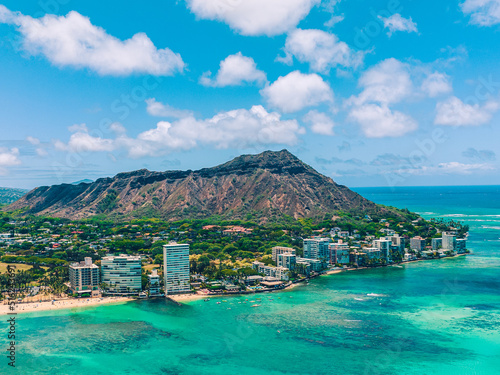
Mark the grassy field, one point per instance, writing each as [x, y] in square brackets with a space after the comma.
[19, 266]
[150, 267]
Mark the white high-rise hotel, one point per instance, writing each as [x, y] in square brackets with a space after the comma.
[176, 268]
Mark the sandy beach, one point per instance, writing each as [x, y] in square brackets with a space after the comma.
[189, 297]
[68, 303]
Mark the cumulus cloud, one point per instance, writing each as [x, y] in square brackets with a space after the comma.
[297, 91]
[158, 109]
[482, 12]
[235, 70]
[397, 23]
[436, 84]
[81, 141]
[8, 158]
[321, 50]
[320, 123]
[255, 17]
[454, 112]
[73, 41]
[479, 155]
[379, 121]
[387, 82]
[239, 128]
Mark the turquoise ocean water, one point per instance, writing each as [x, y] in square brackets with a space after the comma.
[436, 317]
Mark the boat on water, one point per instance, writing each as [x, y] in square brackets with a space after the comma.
[206, 299]
[256, 305]
[143, 295]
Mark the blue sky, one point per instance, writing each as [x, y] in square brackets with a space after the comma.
[370, 93]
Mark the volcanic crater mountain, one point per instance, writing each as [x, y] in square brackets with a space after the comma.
[268, 185]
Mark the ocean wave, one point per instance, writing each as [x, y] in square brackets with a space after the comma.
[464, 215]
[489, 227]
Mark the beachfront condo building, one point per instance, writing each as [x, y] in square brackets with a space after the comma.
[437, 243]
[449, 242]
[417, 243]
[122, 274]
[287, 260]
[339, 253]
[154, 283]
[461, 246]
[84, 277]
[384, 245]
[277, 250]
[317, 248]
[176, 268]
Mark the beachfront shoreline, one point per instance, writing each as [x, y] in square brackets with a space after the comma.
[69, 303]
[66, 303]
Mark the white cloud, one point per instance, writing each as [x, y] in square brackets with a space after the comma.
[387, 82]
[321, 50]
[320, 123]
[482, 12]
[333, 21]
[234, 71]
[81, 141]
[72, 40]
[436, 84]
[254, 17]
[297, 91]
[454, 112]
[158, 109]
[451, 168]
[379, 121]
[398, 23]
[8, 158]
[34, 141]
[240, 128]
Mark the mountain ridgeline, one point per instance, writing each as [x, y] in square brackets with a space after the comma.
[267, 186]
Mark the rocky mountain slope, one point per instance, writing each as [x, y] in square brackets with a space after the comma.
[267, 185]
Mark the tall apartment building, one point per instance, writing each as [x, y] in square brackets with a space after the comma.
[287, 260]
[154, 283]
[339, 253]
[317, 248]
[122, 274]
[461, 246]
[384, 245]
[277, 250]
[417, 243]
[449, 242]
[176, 268]
[437, 243]
[84, 277]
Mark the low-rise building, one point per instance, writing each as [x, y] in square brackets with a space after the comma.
[154, 283]
[315, 264]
